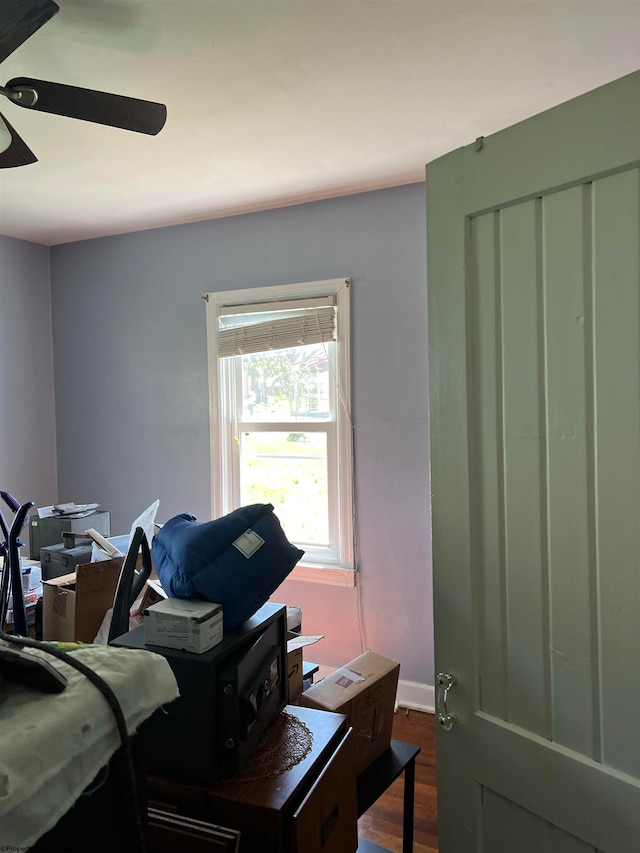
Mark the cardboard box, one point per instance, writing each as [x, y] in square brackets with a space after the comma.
[152, 593]
[365, 691]
[295, 643]
[177, 623]
[74, 605]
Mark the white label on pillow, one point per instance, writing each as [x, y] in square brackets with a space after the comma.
[248, 543]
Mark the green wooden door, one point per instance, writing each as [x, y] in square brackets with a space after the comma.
[533, 247]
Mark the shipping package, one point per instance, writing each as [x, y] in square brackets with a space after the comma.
[178, 623]
[365, 691]
[74, 605]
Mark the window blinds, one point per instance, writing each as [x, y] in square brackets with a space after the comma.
[304, 326]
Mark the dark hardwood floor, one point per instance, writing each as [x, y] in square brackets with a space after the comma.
[382, 824]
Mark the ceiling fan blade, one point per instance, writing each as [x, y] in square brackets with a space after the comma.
[91, 105]
[17, 153]
[19, 19]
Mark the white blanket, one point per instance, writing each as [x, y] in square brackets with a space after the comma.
[53, 745]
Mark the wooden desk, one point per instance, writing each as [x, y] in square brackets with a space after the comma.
[310, 808]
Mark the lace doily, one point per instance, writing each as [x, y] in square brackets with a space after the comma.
[283, 745]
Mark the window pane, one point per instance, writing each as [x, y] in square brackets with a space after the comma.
[288, 470]
[286, 385]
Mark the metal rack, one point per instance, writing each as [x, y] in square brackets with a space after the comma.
[11, 573]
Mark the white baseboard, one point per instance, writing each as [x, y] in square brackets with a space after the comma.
[418, 697]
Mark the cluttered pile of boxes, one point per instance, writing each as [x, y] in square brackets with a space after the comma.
[76, 593]
[231, 683]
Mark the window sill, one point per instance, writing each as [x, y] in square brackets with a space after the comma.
[316, 573]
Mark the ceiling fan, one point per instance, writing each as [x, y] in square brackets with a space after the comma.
[19, 20]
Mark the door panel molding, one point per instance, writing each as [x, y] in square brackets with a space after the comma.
[510, 755]
[586, 140]
[534, 549]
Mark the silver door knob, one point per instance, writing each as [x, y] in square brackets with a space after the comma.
[445, 681]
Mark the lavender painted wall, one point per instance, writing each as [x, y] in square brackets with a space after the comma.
[27, 415]
[132, 396]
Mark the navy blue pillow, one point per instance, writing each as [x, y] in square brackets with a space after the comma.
[237, 560]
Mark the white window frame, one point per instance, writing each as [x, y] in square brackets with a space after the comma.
[224, 452]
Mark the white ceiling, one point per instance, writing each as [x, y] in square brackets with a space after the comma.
[275, 102]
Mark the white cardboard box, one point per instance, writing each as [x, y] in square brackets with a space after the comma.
[176, 623]
[365, 691]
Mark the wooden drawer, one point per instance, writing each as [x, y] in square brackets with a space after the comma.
[326, 820]
[168, 832]
[262, 809]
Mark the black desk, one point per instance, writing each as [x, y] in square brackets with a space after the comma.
[365, 846]
[374, 781]
[309, 670]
